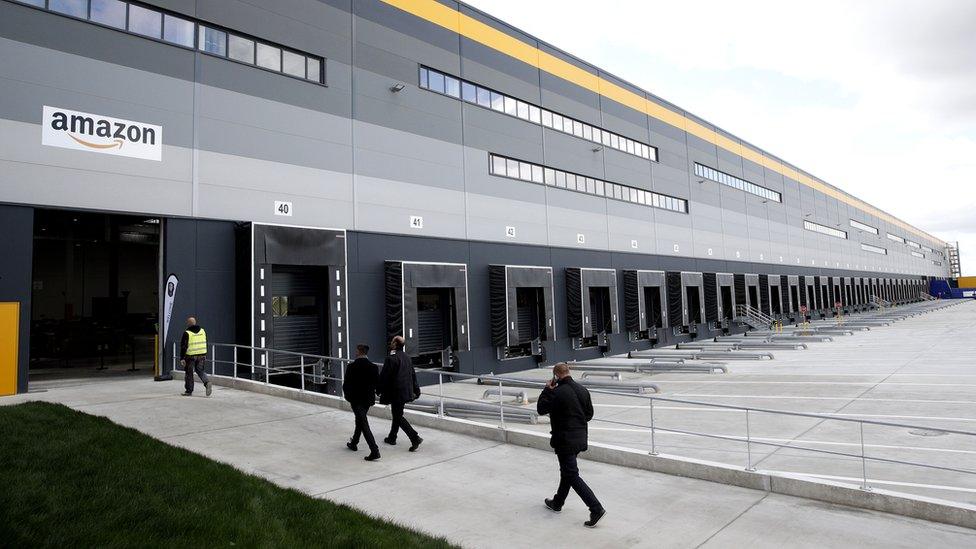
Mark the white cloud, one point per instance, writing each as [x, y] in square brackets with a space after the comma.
[874, 96]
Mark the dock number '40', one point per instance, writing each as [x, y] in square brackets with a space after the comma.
[282, 208]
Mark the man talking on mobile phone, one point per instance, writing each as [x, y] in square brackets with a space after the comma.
[569, 408]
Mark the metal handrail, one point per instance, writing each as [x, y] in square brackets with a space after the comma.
[756, 314]
[650, 399]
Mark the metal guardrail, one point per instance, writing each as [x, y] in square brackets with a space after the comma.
[445, 404]
[754, 317]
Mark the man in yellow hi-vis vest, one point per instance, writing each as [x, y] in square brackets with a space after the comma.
[193, 350]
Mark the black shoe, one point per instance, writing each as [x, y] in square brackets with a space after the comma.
[416, 444]
[185, 394]
[373, 456]
[552, 506]
[595, 517]
[209, 386]
[352, 446]
[390, 441]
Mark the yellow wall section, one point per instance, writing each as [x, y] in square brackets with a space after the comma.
[9, 339]
[967, 281]
[473, 29]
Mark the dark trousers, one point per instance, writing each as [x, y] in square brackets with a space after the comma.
[362, 426]
[400, 422]
[569, 478]
[194, 364]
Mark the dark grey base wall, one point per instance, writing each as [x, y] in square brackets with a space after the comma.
[203, 254]
[368, 251]
[16, 249]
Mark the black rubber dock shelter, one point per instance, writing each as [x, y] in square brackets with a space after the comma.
[591, 297]
[427, 303]
[522, 314]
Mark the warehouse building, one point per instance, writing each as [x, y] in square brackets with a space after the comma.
[310, 174]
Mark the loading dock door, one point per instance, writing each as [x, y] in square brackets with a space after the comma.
[726, 304]
[427, 303]
[591, 295]
[299, 295]
[710, 287]
[521, 306]
[644, 300]
[298, 306]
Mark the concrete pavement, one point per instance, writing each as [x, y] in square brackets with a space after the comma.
[477, 492]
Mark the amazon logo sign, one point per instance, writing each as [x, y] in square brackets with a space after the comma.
[84, 131]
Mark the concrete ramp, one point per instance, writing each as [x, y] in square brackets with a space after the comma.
[480, 492]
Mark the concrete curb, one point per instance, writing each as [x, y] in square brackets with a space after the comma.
[920, 507]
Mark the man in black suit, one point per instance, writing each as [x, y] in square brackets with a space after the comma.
[569, 407]
[398, 386]
[359, 388]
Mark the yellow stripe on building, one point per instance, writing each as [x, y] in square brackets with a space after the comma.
[485, 34]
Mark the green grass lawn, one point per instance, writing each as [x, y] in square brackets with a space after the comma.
[69, 479]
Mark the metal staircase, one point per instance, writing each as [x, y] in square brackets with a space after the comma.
[753, 317]
[877, 301]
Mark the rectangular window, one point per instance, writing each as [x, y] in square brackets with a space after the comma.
[874, 249]
[178, 31]
[213, 41]
[293, 64]
[74, 8]
[189, 33]
[926, 249]
[867, 228]
[469, 92]
[527, 171]
[728, 180]
[915, 245]
[895, 238]
[431, 79]
[314, 69]
[484, 98]
[918, 254]
[240, 49]
[108, 12]
[145, 22]
[823, 229]
[436, 82]
[269, 57]
[452, 87]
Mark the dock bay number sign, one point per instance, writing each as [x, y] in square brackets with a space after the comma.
[84, 131]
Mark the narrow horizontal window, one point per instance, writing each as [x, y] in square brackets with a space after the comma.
[527, 171]
[896, 238]
[734, 182]
[188, 33]
[863, 226]
[823, 229]
[915, 245]
[470, 92]
[918, 254]
[874, 249]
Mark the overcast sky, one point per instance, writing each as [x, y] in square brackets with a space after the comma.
[877, 97]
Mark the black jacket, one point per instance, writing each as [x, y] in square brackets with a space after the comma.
[398, 380]
[185, 342]
[359, 386]
[569, 408]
